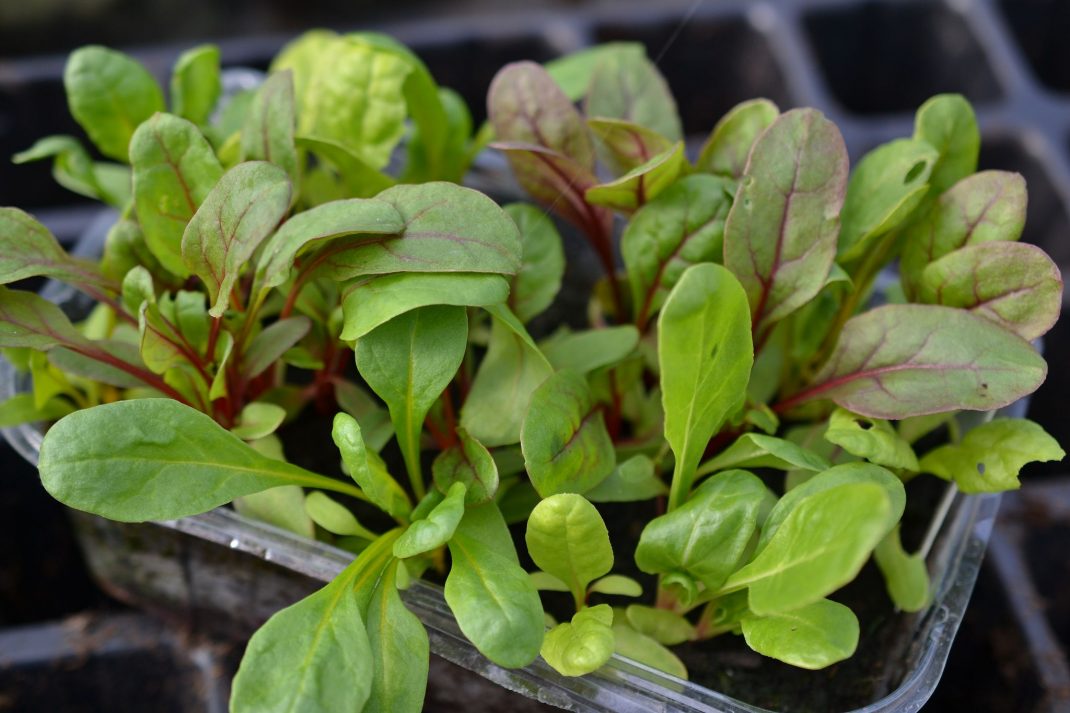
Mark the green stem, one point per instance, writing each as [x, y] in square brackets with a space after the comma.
[411, 453]
[680, 487]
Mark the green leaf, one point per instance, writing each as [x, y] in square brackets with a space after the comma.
[243, 209]
[812, 637]
[616, 585]
[196, 84]
[989, 457]
[843, 474]
[367, 469]
[705, 355]
[283, 507]
[368, 302]
[315, 655]
[821, 546]
[627, 85]
[683, 226]
[125, 249]
[448, 228]
[947, 123]
[335, 517]
[175, 170]
[30, 250]
[780, 236]
[542, 263]
[21, 408]
[726, 150]
[632, 480]
[349, 91]
[642, 183]
[664, 626]
[109, 95]
[408, 362]
[639, 647]
[625, 145]
[985, 207]
[360, 180]
[399, 649]
[436, 528]
[469, 463]
[500, 395]
[321, 224]
[754, 450]
[567, 538]
[268, 133]
[887, 361]
[583, 645]
[73, 169]
[583, 352]
[1014, 284]
[496, 605]
[873, 439]
[258, 419]
[706, 536]
[374, 420]
[267, 348]
[573, 72]
[157, 459]
[566, 446]
[886, 186]
[905, 576]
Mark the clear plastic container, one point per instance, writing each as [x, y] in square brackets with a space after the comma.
[230, 573]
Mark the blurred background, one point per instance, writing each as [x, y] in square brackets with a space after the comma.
[65, 645]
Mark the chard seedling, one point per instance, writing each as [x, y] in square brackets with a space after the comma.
[737, 375]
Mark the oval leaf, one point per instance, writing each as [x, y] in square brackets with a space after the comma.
[947, 123]
[726, 150]
[683, 226]
[469, 463]
[1014, 284]
[812, 637]
[399, 649]
[820, 547]
[566, 446]
[707, 535]
[780, 236]
[567, 538]
[582, 645]
[175, 169]
[496, 605]
[542, 263]
[899, 361]
[705, 355]
[30, 250]
[241, 211]
[156, 459]
[268, 132]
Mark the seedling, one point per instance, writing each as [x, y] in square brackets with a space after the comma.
[736, 374]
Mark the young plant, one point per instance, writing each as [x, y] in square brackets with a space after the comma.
[261, 247]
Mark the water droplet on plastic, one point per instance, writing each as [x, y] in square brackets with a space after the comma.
[235, 543]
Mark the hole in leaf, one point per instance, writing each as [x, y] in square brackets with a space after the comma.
[865, 425]
[981, 468]
[914, 172]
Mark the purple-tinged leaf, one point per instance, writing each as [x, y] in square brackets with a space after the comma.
[948, 124]
[780, 236]
[985, 207]
[525, 105]
[682, 227]
[625, 145]
[28, 320]
[268, 133]
[241, 211]
[1014, 284]
[726, 150]
[626, 85]
[900, 361]
[643, 183]
[269, 346]
[175, 168]
[559, 183]
[30, 250]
